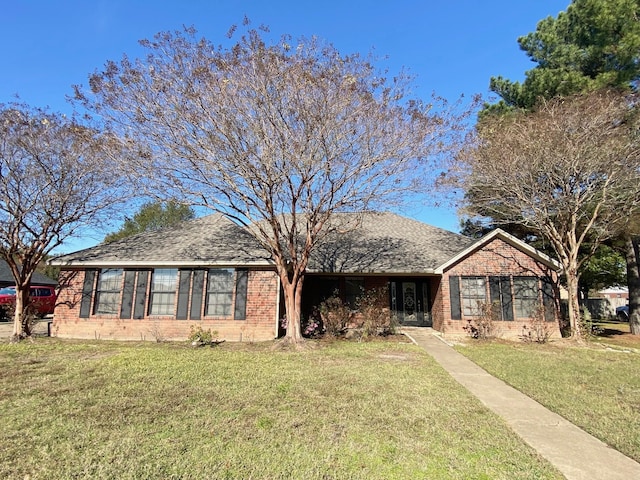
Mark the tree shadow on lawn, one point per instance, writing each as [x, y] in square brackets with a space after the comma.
[616, 332]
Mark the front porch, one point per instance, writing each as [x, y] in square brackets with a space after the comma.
[410, 298]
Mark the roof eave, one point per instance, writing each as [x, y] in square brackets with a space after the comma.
[508, 238]
[158, 263]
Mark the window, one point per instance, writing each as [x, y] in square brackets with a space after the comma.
[474, 295]
[219, 292]
[163, 291]
[353, 289]
[525, 296]
[108, 291]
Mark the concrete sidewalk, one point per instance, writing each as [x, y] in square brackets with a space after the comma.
[578, 455]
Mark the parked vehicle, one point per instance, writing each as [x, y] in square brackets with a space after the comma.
[42, 299]
[623, 313]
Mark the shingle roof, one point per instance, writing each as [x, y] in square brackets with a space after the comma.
[388, 243]
[382, 243]
[213, 240]
[6, 277]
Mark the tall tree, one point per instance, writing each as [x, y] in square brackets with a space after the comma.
[594, 44]
[152, 216]
[56, 177]
[568, 171]
[277, 136]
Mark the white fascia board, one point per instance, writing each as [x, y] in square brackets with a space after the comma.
[157, 264]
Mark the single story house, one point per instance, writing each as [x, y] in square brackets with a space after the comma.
[213, 273]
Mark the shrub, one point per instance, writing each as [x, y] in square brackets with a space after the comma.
[538, 330]
[311, 326]
[376, 318]
[335, 315]
[484, 326]
[199, 337]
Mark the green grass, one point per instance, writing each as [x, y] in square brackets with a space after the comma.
[598, 389]
[343, 410]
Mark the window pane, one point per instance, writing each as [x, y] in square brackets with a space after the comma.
[354, 288]
[219, 292]
[108, 291]
[525, 296]
[163, 291]
[474, 295]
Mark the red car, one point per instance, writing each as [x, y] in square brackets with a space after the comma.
[43, 298]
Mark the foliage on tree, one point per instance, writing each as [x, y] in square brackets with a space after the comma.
[278, 136]
[152, 216]
[605, 268]
[568, 171]
[594, 44]
[56, 177]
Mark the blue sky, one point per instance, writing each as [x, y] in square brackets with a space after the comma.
[452, 47]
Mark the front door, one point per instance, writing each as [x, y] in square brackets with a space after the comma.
[410, 303]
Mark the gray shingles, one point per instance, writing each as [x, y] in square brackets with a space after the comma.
[210, 240]
[6, 277]
[388, 243]
[383, 243]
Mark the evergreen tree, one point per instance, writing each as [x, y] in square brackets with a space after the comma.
[152, 216]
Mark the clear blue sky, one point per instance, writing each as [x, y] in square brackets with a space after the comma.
[453, 47]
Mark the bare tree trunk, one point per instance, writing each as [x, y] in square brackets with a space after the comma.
[20, 328]
[632, 256]
[574, 304]
[293, 301]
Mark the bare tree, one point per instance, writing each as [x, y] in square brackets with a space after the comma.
[569, 171]
[55, 178]
[277, 136]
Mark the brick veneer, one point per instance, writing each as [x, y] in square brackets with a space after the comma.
[260, 323]
[497, 258]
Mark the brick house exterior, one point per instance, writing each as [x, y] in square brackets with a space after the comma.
[213, 273]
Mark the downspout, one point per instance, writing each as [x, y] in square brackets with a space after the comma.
[278, 307]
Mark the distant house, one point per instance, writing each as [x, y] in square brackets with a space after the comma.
[614, 292]
[7, 280]
[214, 273]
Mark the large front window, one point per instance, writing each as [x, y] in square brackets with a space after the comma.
[163, 291]
[219, 292]
[525, 296]
[108, 291]
[474, 295]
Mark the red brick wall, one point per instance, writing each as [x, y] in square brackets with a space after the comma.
[498, 258]
[260, 323]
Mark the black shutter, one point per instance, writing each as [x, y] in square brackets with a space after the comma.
[127, 294]
[87, 291]
[495, 298]
[454, 295]
[141, 294]
[240, 312]
[196, 294]
[183, 294]
[548, 299]
[507, 300]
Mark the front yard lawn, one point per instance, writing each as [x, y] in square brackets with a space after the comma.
[379, 410]
[597, 386]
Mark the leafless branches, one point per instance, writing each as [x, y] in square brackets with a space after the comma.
[56, 176]
[570, 171]
[279, 136]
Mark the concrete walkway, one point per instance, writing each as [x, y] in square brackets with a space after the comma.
[578, 455]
